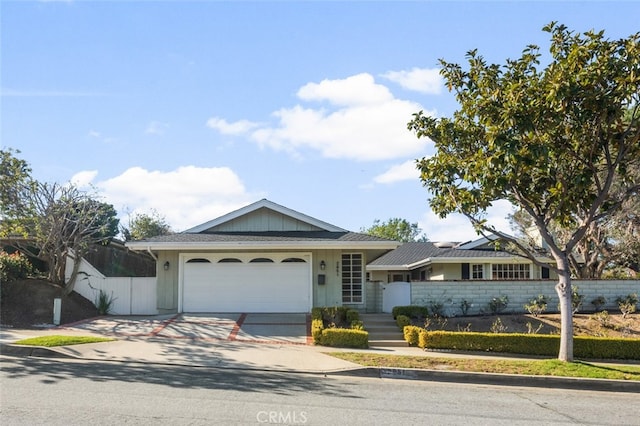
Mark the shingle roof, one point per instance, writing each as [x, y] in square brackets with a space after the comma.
[410, 253]
[285, 236]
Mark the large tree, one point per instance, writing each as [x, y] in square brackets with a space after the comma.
[15, 186]
[396, 229]
[552, 140]
[68, 222]
[50, 221]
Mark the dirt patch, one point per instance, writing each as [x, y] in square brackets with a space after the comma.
[29, 304]
[589, 324]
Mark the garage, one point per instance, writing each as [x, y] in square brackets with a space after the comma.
[241, 282]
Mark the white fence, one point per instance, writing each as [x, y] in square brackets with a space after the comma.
[131, 296]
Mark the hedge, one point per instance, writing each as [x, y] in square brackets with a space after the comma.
[353, 337]
[412, 334]
[530, 344]
[344, 338]
[411, 311]
[402, 321]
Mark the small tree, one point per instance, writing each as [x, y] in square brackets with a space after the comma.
[143, 226]
[552, 141]
[396, 229]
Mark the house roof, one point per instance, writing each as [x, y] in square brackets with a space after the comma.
[313, 234]
[266, 204]
[417, 254]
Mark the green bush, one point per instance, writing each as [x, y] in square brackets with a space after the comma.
[403, 320]
[411, 311]
[531, 344]
[411, 333]
[316, 313]
[498, 304]
[345, 338]
[316, 329]
[342, 319]
[627, 305]
[14, 266]
[357, 325]
[537, 306]
[352, 315]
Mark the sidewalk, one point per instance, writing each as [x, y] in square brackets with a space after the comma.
[275, 357]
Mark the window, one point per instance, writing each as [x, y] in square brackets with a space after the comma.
[230, 260]
[198, 260]
[294, 260]
[352, 278]
[261, 260]
[510, 271]
[477, 272]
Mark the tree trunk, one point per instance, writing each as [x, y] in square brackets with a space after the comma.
[563, 288]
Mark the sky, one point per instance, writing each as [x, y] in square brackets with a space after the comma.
[195, 109]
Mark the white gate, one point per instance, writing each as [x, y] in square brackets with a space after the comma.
[395, 294]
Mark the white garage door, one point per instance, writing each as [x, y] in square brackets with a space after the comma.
[247, 283]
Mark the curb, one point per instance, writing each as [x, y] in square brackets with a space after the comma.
[31, 351]
[573, 383]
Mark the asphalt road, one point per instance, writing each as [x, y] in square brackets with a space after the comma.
[54, 392]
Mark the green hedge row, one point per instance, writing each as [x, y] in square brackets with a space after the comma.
[353, 337]
[411, 311]
[344, 338]
[527, 344]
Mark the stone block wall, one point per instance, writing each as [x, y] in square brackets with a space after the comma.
[479, 293]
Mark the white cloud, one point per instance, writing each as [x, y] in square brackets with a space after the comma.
[399, 172]
[84, 178]
[360, 89]
[156, 128]
[94, 134]
[236, 128]
[186, 196]
[456, 227]
[366, 122]
[423, 80]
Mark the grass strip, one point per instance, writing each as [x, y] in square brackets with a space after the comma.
[552, 367]
[57, 340]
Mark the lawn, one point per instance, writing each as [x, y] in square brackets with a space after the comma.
[57, 340]
[535, 368]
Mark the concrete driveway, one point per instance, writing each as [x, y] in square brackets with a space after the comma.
[242, 327]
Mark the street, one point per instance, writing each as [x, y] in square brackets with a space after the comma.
[61, 392]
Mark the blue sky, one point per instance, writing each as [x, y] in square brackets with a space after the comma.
[195, 109]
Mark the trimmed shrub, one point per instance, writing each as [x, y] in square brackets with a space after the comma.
[403, 320]
[411, 333]
[411, 311]
[337, 322]
[316, 313]
[352, 315]
[14, 266]
[345, 338]
[531, 344]
[316, 330]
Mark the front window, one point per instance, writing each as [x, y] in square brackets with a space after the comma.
[477, 272]
[511, 271]
[352, 278]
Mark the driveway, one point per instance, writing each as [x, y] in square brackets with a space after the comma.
[242, 327]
